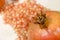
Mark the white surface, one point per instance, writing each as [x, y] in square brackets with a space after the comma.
[51, 4]
[6, 31]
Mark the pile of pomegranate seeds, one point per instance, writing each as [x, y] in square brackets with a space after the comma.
[19, 15]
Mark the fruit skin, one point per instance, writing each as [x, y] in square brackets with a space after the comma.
[36, 33]
[54, 19]
[2, 2]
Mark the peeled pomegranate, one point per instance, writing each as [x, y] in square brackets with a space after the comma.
[32, 21]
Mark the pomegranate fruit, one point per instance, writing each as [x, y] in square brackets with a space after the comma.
[32, 21]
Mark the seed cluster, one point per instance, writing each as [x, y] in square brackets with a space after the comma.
[19, 15]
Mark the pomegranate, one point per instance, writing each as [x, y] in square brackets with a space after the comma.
[32, 21]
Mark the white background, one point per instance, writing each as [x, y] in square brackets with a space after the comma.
[51, 4]
[6, 31]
